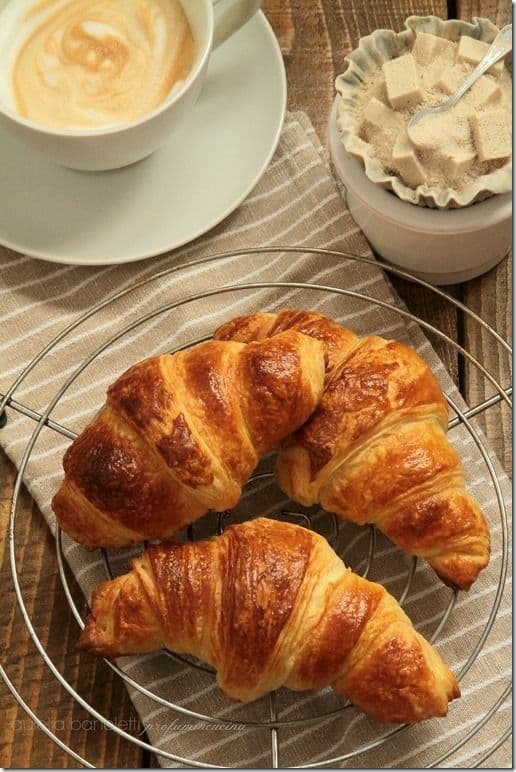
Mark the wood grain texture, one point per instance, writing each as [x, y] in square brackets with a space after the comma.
[315, 37]
[490, 296]
[438, 312]
[22, 744]
[499, 11]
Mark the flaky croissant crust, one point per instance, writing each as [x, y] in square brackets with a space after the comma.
[270, 604]
[181, 433]
[375, 449]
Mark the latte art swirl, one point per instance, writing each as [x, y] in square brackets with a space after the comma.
[89, 63]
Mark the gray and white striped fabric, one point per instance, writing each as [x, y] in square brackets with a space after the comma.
[296, 202]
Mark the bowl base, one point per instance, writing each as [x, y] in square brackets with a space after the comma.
[440, 246]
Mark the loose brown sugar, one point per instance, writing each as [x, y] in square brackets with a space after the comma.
[445, 151]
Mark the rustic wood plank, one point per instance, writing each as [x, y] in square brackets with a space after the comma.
[315, 39]
[490, 296]
[22, 744]
[438, 312]
[499, 11]
[316, 36]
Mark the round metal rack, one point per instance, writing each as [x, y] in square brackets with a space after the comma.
[331, 526]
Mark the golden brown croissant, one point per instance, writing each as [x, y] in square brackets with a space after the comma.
[270, 604]
[181, 433]
[375, 450]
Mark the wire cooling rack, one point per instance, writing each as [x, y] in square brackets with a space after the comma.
[322, 522]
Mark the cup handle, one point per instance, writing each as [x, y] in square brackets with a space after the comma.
[230, 15]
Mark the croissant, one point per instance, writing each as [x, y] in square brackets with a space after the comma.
[181, 433]
[375, 450]
[270, 604]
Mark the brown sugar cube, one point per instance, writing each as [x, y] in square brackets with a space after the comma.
[460, 161]
[401, 80]
[380, 117]
[485, 92]
[492, 135]
[405, 161]
[449, 81]
[472, 51]
[428, 47]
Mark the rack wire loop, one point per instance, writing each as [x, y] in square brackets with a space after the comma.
[273, 720]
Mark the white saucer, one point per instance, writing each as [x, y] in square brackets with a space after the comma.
[167, 200]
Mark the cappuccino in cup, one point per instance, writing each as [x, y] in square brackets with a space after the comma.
[87, 64]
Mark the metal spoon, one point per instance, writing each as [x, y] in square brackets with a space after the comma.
[499, 48]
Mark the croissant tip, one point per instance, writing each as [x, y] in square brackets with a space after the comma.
[90, 640]
[458, 582]
[86, 640]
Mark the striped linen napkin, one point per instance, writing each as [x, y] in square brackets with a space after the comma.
[296, 202]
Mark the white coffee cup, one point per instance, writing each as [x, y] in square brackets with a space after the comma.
[100, 149]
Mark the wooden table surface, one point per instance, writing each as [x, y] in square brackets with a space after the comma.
[315, 36]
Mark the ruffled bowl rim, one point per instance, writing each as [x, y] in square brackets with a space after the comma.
[373, 50]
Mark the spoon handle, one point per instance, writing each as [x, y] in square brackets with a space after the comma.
[500, 47]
